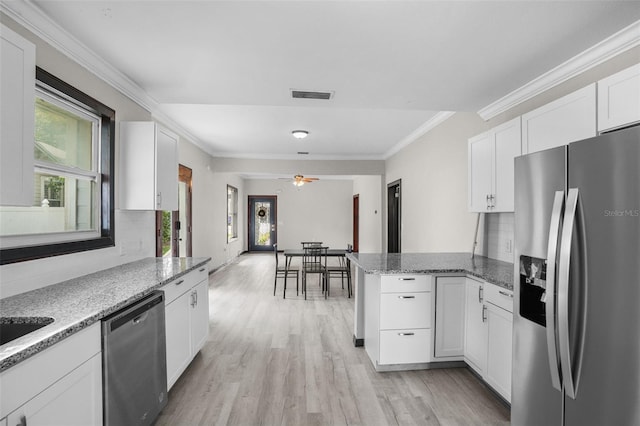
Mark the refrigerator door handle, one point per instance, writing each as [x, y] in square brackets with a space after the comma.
[570, 380]
[551, 300]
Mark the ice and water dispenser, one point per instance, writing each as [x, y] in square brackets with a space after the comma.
[533, 285]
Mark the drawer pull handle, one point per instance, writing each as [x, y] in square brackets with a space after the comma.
[202, 270]
[406, 279]
[406, 297]
[504, 293]
[406, 334]
[179, 282]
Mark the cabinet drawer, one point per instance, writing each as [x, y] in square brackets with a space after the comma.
[410, 346]
[178, 287]
[405, 283]
[405, 310]
[499, 296]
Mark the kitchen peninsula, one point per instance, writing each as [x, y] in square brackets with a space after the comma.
[421, 310]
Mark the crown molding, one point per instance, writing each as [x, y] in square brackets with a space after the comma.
[31, 17]
[623, 40]
[424, 128]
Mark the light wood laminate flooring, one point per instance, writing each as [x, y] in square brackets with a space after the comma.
[275, 361]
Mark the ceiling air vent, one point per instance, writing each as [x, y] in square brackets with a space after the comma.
[303, 152]
[301, 94]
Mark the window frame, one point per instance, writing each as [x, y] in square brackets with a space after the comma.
[105, 184]
[232, 214]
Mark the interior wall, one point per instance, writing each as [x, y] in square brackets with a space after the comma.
[209, 207]
[318, 211]
[433, 170]
[368, 188]
[134, 230]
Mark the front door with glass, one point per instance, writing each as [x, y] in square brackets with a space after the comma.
[262, 222]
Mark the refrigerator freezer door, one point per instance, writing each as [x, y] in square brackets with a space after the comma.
[539, 176]
[606, 170]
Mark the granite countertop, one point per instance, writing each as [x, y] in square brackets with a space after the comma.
[491, 270]
[80, 302]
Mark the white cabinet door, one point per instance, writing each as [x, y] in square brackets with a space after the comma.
[619, 99]
[17, 116]
[178, 336]
[568, 119]
[148, 167]
[76, 399]
[450, 314]
[475, 333]
[199, 316]
[166, 170]
[491, 168]
[507, 146]
[480, 172]
[499, 351]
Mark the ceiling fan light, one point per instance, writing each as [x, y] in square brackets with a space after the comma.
[300, 134]
[298, 182]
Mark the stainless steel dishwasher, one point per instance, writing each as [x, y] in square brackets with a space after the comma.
[134, 363]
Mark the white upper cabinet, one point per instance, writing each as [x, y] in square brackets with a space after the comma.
[568, 119]
[17, 112]
[491, 172]
[619, 99]
[148, 167]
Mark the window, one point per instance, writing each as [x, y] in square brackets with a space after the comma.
[232, 213]
[73, 192]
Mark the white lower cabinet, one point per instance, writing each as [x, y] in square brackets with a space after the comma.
[187, 320]
[450, 317]
[178, 338]
[488, 334]
[61, 385]
[398, 320]
[475, 333]
[200, 316]
[499, 352]
[65, 402]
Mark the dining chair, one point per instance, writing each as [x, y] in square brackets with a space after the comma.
[283, 272]
[343, 269]
[314, 261]
[310, 243]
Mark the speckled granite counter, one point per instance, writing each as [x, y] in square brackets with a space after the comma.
[490, 270]
[80, 302]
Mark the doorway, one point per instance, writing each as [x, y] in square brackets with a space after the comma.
[173, 228]
[356, 222]
[394, 202]
[262, 222]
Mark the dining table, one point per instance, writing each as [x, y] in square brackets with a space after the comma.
[289, 254]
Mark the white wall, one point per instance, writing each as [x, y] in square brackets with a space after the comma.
[433, 171]
[318, 211]
[369, 190]
[209, 207]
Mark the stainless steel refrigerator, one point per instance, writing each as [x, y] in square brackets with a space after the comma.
[576, 341]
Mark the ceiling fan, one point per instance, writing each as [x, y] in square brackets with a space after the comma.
[299, 180]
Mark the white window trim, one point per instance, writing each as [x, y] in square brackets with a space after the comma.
[59, 99]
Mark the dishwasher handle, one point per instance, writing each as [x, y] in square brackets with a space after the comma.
[135, 313]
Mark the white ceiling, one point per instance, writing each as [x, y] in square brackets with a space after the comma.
[223, 70]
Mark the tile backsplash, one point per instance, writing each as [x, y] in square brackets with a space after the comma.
[496, 236]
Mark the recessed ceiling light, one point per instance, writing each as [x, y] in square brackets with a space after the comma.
[300, 134]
